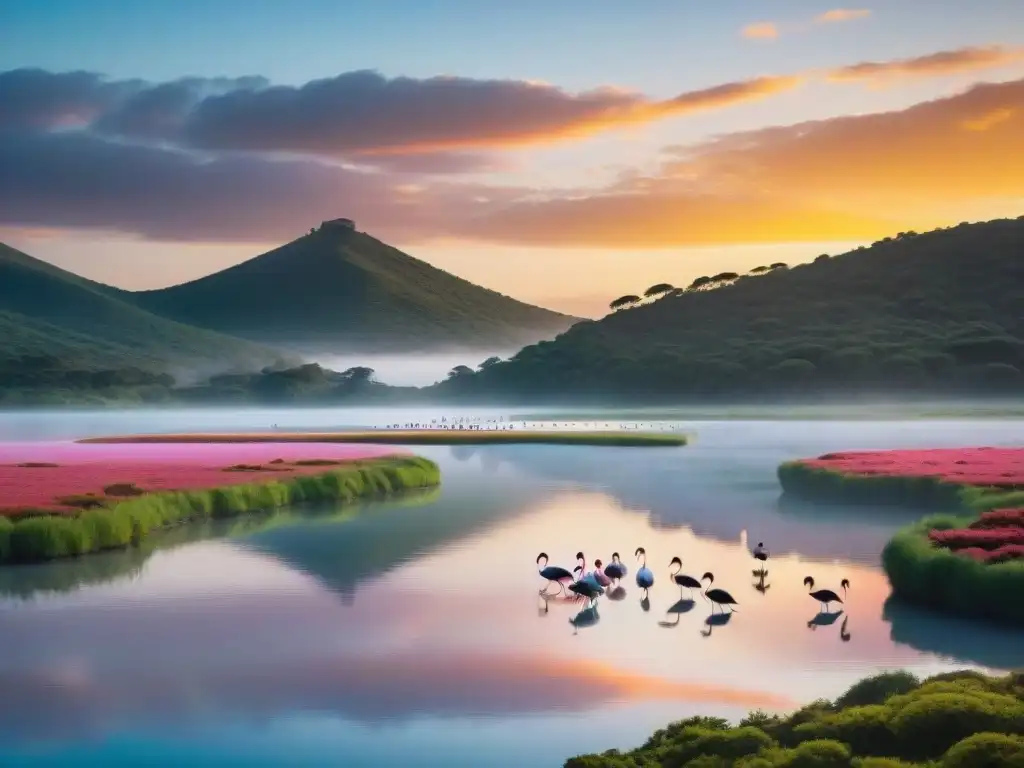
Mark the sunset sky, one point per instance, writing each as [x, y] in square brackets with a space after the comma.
[560, 152]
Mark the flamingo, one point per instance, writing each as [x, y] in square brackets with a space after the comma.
[552, 573]
[761, 554]
[599, 575]
[644, 575]
[718, 597]
[584, 588]
[827, 596]
[682, 579]
[615, 570]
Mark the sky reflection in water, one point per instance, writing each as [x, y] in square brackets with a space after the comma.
[419, 629]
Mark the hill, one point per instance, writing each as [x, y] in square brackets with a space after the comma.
[48, 312]
[940, 312]
[341, 290]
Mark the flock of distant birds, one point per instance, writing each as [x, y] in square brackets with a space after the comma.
[499, 424]
[589, 586]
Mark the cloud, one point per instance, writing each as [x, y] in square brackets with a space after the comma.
[762, 30]
[352, 115]
[842, 14]
[943, 63]
[77, 180]
[848, 178]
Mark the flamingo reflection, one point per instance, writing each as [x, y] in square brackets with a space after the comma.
[645, 600]
[617, 593]
[715, 620]
[760, 585]
[588, 617]
[677, 609]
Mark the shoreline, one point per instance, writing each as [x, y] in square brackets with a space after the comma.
[117, 523]
[945, 580]
[410, 437]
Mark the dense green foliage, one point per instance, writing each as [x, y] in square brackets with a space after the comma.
[46, 312]
[957, 720]
[340, 290]
[941, 312]
[918, 571]
[122, 523]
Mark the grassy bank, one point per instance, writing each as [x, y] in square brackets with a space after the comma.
[892, 720]
[416, 437]
[920, 572]
[123, 523]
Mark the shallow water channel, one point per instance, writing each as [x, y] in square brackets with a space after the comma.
[414, 628]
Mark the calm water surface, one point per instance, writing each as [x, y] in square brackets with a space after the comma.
[324, 637]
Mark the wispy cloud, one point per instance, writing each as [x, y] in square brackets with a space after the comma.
[842, 14]
[942, 63]
[762, 30]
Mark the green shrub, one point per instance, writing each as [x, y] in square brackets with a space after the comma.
[731, 743]
[877, 688]
[986, 750]
[960, 720]
[930, 724]
[822, 753]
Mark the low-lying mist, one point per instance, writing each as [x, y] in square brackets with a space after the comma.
[408, 370]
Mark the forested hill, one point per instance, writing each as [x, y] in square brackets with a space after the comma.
[342, 290]
[941, 311]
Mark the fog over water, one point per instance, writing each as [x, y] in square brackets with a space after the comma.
[403, 370]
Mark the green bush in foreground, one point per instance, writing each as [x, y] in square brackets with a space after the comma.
[891, 720]
[34, 539]
[919, 572]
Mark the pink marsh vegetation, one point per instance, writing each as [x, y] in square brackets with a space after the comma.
[57, 476]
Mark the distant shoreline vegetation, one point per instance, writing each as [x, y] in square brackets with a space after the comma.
[967, 561]
[419, 437]
[117, 523]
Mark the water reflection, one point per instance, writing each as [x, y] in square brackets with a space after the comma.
[588, 617]
[676, 610]
[422, 616]
[715, 620]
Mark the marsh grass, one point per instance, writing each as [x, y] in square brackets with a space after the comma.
[418, 437]
[956, 720]
[919, 572]
[125, 522]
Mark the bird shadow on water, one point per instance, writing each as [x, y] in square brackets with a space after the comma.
[966, 641]
[588, 617]
[761, 585]
[681, 606]
[715, 620]
[828, 619]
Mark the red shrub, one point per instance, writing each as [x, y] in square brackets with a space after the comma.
[1003, 467]
[1000, 518]
[989, 539]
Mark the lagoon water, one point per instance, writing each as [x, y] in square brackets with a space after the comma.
[412, 632]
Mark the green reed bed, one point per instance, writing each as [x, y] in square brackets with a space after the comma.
[120, 523]
[955, 720]
[418, 437]
[920, 572]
